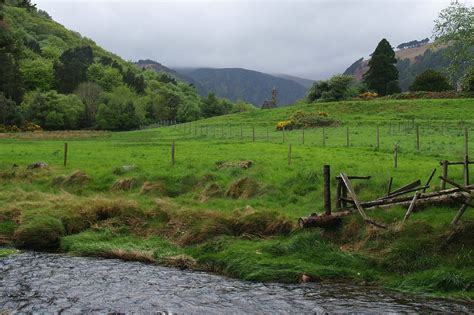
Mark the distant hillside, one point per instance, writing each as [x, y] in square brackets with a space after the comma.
[411, 62]
[158, 67]
[307, 83]
[251, 86]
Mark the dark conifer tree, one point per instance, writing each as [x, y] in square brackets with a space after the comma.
[11, 81]
[382, 71]
[71, 69]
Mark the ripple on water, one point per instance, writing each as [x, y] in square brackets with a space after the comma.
[35, 282]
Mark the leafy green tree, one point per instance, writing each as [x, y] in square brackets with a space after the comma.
[53, 111]
[190, 108]
[118, 110]
[430, 81]
[71, 69]
[11, 80]
[10, 113]
[37, 74]
[382, 69]
[335, 89]
[467, 82]
[213, 106]
[106, 77]
[454, 29]
[89, 93]
[317, 89]
[241, 106]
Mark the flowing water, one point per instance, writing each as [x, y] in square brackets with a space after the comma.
[36, 282]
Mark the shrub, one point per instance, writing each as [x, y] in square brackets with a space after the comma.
[29, 126]
[430, 81]
[39, 233]
[368, 95]
[300, 119]
[335, 89]
[467, 82]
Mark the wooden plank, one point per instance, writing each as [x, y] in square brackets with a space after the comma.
[455, 184]
[411, 185]
[406, 192]
[411, 207]
[389, 186]
[355, 177]
[429, 179]
[349, 187]
[459, 214]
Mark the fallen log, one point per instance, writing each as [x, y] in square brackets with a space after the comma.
[402, 199]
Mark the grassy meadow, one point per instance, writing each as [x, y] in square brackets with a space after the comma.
[120, 196]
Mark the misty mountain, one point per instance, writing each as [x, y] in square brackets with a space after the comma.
[307, 83]
[247, 85]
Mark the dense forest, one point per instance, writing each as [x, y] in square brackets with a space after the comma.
[53, 78]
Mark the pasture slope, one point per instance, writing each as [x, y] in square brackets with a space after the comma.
[120, 196]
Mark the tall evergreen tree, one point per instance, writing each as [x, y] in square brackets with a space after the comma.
[72, 68]
[11, 81]
[382, 75]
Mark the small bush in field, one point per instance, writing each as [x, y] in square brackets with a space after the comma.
[301, 119]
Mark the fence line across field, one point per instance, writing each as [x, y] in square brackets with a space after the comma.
[406, 136]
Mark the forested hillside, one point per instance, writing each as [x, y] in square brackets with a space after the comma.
[54, 78]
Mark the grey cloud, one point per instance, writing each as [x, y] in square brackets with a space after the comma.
[312, 39]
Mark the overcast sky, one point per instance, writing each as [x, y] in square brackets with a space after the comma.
[311, 39]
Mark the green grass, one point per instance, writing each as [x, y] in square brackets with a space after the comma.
[4, 252]
[176, 222]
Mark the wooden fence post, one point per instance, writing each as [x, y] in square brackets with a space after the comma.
[327, 189]
[395, 156]
[172, 152]
[253, 133]
[230, 131]
[466, 157]
[378, 138]
[324, 137]
[302, 135]
[417, 137]
[444, 165]
[347, 136]
[65, 154]
[241, 132]
[338, 193]
[289, 154]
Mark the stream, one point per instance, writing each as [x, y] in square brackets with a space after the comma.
[37, 282]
